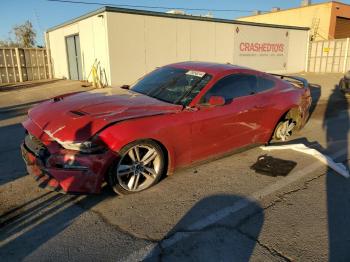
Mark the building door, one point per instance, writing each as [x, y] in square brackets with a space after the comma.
[74, 58]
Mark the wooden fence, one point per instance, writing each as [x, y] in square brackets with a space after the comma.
[23, 64]
[329, 56]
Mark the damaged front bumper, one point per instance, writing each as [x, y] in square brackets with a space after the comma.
[65, 170]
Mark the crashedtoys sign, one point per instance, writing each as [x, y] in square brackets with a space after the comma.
[260, 48]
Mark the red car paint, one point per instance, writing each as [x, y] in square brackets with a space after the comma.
[119, 117]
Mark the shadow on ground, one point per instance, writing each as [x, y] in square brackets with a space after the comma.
[338, 188]
[25, 228]
[209, 232]
[16, 86]
[315, 91]
[11, 163]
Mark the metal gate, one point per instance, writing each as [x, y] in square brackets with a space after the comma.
[23, 64]
[329, 56]
[73, 56]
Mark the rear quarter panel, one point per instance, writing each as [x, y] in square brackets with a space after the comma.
[282, 99]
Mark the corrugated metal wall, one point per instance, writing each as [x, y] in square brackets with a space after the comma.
[23, 64]
[329, 56]
[342, 27]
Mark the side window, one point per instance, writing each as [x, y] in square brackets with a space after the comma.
[265, 84]
[232, 86]
[195, 91]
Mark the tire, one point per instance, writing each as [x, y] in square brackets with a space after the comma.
[141, 165]
[342, 85]
[284, 130]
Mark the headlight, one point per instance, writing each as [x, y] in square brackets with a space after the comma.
[85, 147]
[95, 145]
[91, 146]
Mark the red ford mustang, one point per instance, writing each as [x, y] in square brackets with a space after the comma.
[176, 115]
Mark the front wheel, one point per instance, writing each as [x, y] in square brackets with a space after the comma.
[141, 165]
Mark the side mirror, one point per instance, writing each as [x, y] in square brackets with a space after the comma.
[125, 87]
[216, 101]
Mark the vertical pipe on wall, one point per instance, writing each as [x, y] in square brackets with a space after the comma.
[346, 54]
[307, 52]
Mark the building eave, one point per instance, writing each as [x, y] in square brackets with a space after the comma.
[294, 8]
[167, 15]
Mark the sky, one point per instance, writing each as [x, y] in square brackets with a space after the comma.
[45, 14]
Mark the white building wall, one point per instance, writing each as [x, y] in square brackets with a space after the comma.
[140, 43]
[128, 46]
[93, 46]
[58, 49]
[297, 51]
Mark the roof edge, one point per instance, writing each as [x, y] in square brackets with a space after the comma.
[77, 19]
[176, 16]
[294, 8]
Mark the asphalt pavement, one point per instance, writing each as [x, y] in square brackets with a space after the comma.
[221, 210]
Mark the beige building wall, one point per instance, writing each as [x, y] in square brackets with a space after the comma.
[301, 16]
[58, 49]
[139, 43]
[297, 51]
[128, 46]
[93, 46]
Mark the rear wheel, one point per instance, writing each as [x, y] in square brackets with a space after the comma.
[284, 129]
[342, 85]
[140, 166]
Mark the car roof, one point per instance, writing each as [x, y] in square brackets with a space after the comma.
[208, 67]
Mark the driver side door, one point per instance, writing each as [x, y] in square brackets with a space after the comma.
[220, 129]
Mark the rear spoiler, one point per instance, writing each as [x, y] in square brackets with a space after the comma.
[295, 80]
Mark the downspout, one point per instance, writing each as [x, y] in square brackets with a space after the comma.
[307, 51]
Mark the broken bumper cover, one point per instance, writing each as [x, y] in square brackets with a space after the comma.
[57, 171]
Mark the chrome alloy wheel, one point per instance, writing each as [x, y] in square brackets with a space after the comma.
[284, 129]
[139, 167]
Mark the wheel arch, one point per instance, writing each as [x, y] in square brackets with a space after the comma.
[167, 150]
[168, 157]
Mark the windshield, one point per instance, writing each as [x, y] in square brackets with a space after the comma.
[172, 85]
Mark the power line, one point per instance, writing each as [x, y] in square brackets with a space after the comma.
[153, 7]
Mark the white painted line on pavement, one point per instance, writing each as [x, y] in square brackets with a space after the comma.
[230, 210]
[337, 167]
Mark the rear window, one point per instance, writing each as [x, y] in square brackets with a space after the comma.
[265, 84]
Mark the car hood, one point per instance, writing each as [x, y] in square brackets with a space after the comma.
[77, 117]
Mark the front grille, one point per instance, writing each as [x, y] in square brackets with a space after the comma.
[36, 147]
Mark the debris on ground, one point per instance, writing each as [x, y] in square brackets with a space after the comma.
[271, 166]
[337, 167]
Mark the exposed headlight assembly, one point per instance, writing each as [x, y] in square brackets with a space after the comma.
[94, 145]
